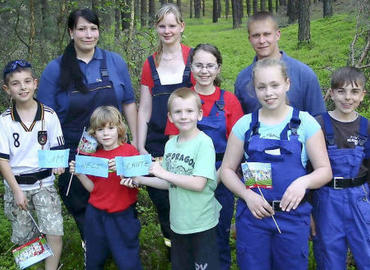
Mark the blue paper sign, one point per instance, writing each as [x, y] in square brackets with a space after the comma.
[53, 158]
[92, 166]
[133, 165]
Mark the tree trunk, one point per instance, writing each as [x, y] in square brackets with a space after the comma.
[235, 6]
[292, 10]
[136, 11]
[282, 2]
[277, 6]
[143, 13]
[304, 34]
[117, 19]
[151, 11]
[270, 6]
[214, 11]
[327, 8]
[227, 8]
[203, 8]
[162, 2]
[249, 8]
[255, 6]
[197, 7]
[219, 8]
[32, 29]
[44, 18]
[263, 5]
[241, 10]
[191, 8]
[125, 14]
[178, 3]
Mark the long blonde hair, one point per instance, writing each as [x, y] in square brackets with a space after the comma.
[108, 115]
[163, 11]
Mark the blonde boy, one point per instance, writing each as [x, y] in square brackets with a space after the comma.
[27, 126]
[188, 172]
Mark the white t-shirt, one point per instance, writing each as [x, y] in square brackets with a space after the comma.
[20, 142]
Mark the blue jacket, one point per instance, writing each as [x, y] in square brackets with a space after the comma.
[48, 92]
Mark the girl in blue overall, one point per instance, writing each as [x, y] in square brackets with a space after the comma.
[162, 73]
[342, 208]
[221, 110]
[283, 137]
[82, 79]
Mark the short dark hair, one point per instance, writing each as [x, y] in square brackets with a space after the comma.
[344, 75]
[16, 66]
[262, 16]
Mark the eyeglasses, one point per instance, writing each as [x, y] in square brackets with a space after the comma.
[199, 66]
[13, 65]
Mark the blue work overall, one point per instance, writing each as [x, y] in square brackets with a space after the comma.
[156, 140]
[81, 106]
[259, 244]
[214, 125]
[342, 215]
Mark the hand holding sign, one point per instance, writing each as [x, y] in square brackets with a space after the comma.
[133, 165]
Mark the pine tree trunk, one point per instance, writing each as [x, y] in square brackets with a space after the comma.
[249, 8]
[151, 11]
[117, 19]
[143, 13]
[197, 7]
[292, 10]
[214, 11]
[191, 8]
[227, 8]
[263, 5]
[304, 34]
[270, 6]
[255, 6]
[327, 8]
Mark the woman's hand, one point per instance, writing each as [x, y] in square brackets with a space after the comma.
[258, 206]
[293, 195]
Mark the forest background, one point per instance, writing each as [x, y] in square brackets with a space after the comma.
[323, 34]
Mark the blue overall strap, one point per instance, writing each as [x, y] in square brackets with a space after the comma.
[253, 130]
[187, 70]
[103, 68]
[293, 125]
[363, 131]
[155, 75]
[328, 129]
[219, 104]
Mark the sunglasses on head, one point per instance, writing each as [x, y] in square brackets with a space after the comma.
[13, 65]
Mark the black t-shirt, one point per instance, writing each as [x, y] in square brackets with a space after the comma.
[346, 136]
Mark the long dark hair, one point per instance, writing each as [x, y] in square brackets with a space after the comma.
[70, 73]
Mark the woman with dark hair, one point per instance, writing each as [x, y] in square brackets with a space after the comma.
[77, 82]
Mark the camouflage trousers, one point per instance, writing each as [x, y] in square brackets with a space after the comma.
[44, 204]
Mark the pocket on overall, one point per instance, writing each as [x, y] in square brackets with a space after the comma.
[363, 206]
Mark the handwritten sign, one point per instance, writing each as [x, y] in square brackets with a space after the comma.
[53, 158]
[92, 165]
[133, 165]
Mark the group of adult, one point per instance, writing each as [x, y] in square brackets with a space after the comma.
[86, 76]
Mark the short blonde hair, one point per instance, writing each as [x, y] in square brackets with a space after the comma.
[108, 115]
[184, 93]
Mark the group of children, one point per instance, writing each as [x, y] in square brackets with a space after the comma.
[272, 225]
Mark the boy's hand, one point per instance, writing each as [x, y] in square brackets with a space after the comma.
[58, 171]
[20, 199]
[129, 182]
[112, 165]
[72, 168]
[156, 169]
